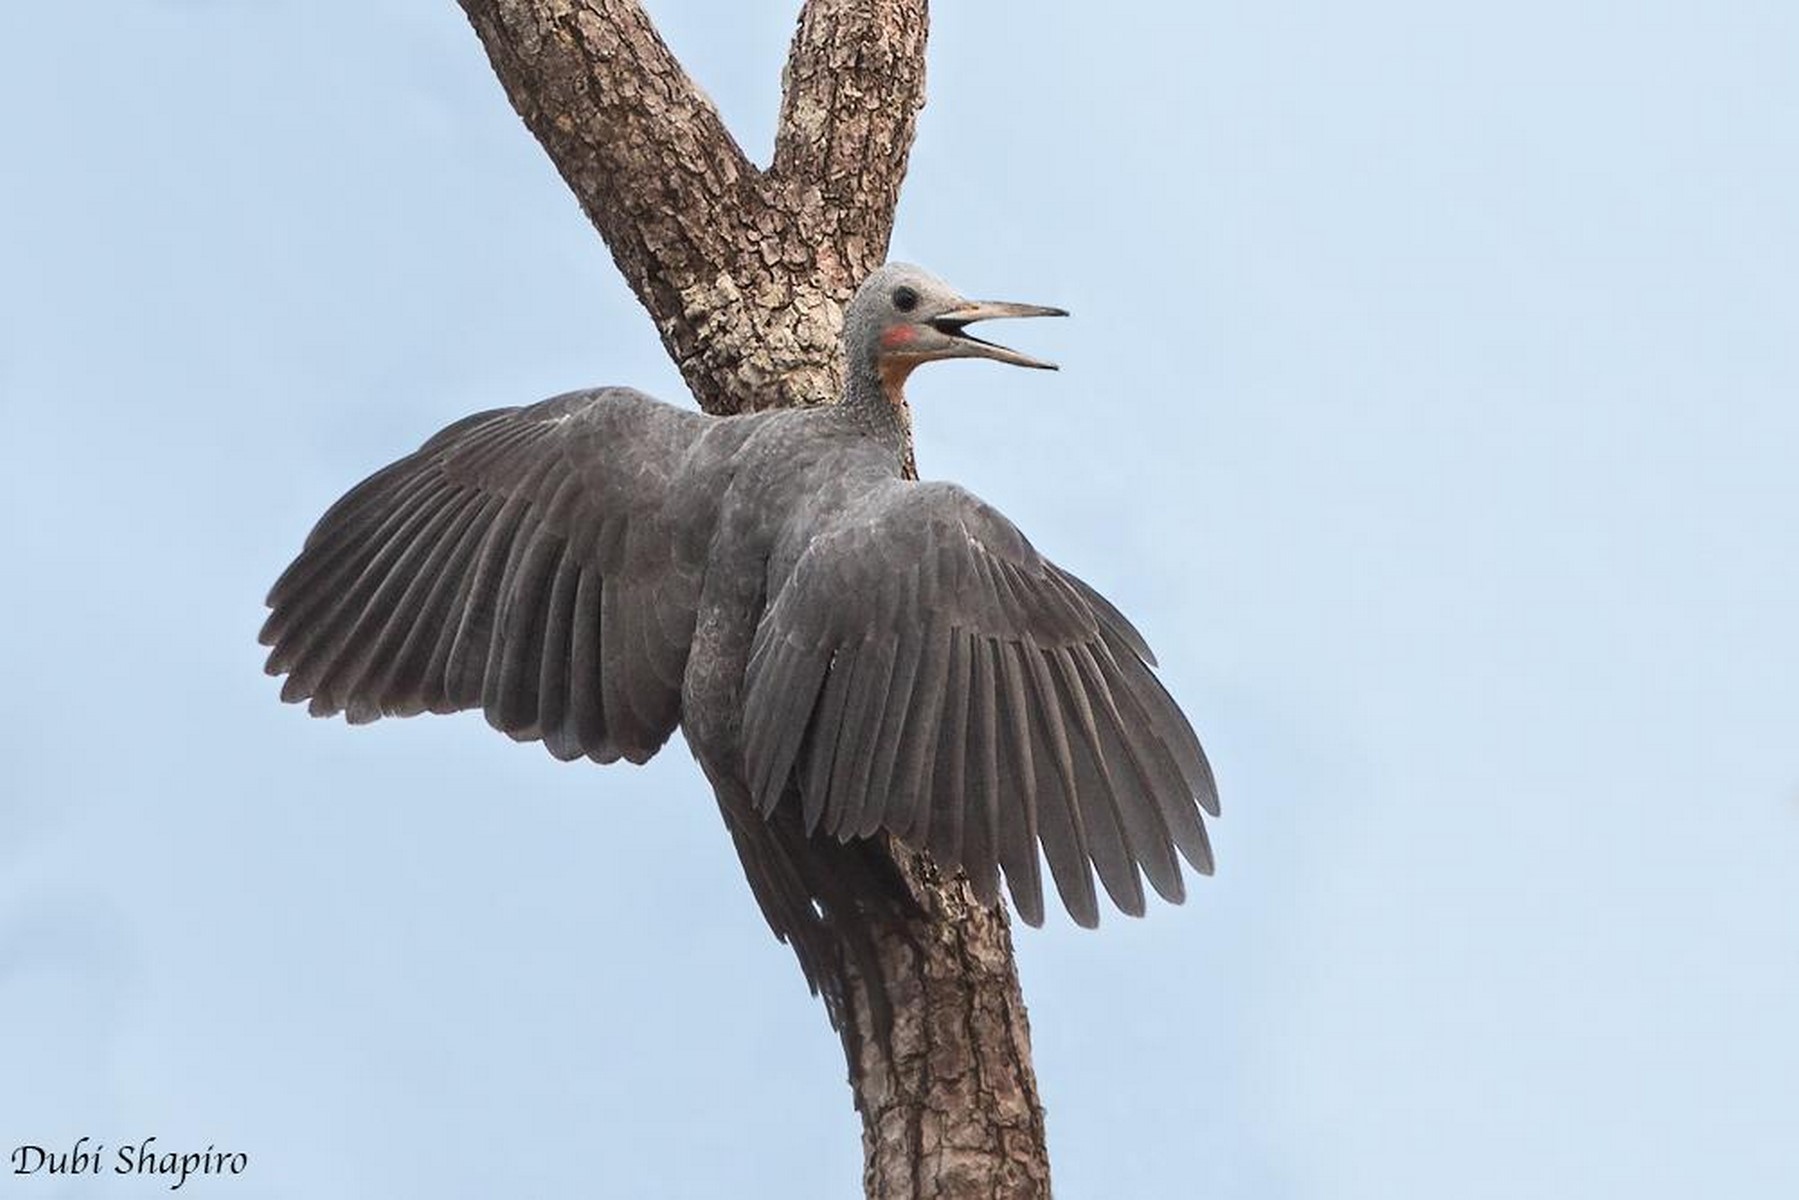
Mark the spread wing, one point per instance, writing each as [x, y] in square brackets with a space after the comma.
[521, 562]
[925, 671]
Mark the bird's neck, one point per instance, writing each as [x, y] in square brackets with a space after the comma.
[875, 400]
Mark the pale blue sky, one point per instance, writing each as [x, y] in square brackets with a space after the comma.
[1431, 401]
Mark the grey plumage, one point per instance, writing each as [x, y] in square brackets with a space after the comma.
[847, 652]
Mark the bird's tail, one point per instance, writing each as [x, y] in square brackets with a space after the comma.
[827, 899]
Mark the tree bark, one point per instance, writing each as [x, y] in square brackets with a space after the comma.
[745, 272]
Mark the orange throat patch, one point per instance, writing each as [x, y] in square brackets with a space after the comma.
[893, 380]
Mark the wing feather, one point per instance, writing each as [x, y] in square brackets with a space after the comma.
[827, 723]
[978, 849]
[910, 794]
[385, 620]
[863, 731]
[556, 664]
[1021, 833]
[1096, 792]
[1134, 781]
[323, 618]
[949, 785]
[1058, 810]
[879, 808]
[587, 715]
[406, 688]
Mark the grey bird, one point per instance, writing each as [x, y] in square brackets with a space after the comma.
[848, 652]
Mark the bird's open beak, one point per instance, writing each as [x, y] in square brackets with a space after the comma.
[953, 325]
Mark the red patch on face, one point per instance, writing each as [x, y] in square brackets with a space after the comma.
[897, 336]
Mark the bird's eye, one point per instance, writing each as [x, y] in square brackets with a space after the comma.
[905, 299]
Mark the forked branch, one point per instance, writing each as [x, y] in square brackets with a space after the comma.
[744, 273]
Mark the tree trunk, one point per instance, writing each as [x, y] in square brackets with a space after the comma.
[745, 272]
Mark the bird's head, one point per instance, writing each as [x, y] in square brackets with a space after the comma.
[903, 315]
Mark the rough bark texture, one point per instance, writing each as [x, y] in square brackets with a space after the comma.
[744, 272]
[948, 1100]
